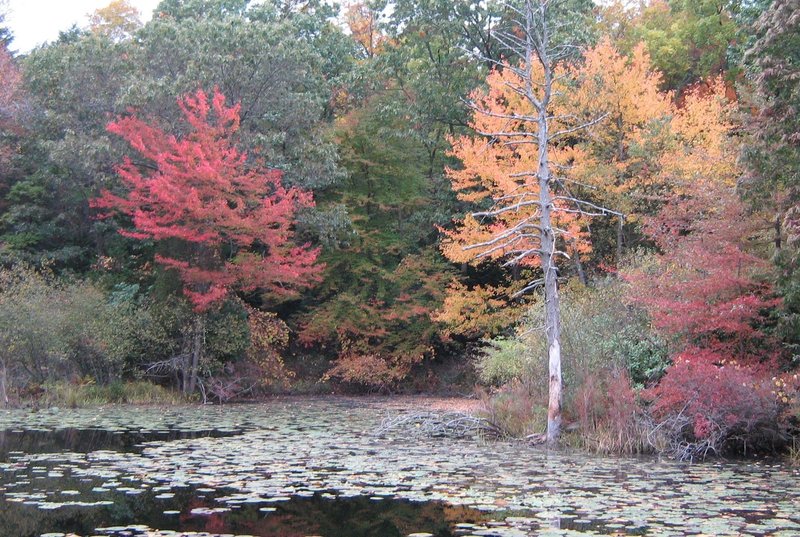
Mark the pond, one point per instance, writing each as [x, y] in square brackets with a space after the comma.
[315, 466]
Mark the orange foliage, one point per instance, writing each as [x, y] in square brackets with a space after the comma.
[363, 25]
[501, 166]
[647, 148]
[618, 153]
[624, 87]
[644, 151]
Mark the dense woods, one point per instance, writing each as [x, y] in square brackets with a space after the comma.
[239, 198]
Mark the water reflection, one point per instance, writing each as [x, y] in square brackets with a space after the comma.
[87, 440]
[285, 453]
[189, 510]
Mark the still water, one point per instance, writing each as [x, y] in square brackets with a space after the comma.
[314, 466]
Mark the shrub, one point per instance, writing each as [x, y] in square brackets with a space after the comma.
[608, 414]
[598, 330]
[513, 411]
[263, 366]
[158, 341]
[370, 370]
[51, 328]
[608, 351]
[703, 407]
[504, 360]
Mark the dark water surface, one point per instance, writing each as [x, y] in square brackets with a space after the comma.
[302, 467]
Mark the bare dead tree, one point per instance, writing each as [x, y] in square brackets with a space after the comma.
[533, 39]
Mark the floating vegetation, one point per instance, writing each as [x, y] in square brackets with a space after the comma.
[295, 466]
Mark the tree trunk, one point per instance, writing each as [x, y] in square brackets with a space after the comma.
[198, 336]
[3, 384]
[548, 252]
[531, 43]
[620, 239]
[579, 267]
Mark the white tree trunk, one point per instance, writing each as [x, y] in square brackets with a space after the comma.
[547, 234]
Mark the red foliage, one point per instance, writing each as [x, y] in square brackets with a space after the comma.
[10, 88]
[233, 222]
[718, 403]
[705, 289]
[11, 100]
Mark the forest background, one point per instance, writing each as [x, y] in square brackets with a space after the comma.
[346, 149]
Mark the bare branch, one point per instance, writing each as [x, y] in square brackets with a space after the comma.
[508, 208]
[601, 211]
[489, 113]
[522, 254]
[578, 127]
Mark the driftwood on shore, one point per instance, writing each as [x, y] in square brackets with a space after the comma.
[437, 424]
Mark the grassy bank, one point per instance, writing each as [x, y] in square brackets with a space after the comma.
[72, 395]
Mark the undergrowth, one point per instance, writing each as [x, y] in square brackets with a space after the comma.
[75, 395]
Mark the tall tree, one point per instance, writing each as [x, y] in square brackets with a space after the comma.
[282, 66]
[707, 291]
[68, 153]
[12, 105]
[11, 101]
[615, 162]
[223, 224]
[383, 281]
[772, 154]
[363, 24]
[5, 33]
[234, 222]
[117, 21]
[514, 166]
[689, 40]
[707, 288]
[774, 60]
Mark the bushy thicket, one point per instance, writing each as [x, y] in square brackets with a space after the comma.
[608, 351]
[52, 329]
[599, 332]
[77, 340]
[701, 407]
[622, 393]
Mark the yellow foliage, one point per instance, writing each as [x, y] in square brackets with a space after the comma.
[477, 311]
[647, 147]
[118, 20]
[703, 152]
[643, 149]
[363, 25]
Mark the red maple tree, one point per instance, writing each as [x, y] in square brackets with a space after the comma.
[705, 289]
[229, 223]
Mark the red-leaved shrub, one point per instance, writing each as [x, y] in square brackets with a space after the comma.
[702, 406]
